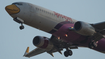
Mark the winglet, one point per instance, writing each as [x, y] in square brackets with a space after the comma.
[27, 51]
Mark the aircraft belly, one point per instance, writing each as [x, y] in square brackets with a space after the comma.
[101, 46]
[63, 31]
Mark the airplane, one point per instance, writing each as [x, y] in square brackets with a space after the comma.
[67, 33]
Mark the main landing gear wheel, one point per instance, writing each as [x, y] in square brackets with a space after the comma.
[93, 45]
[68, 53]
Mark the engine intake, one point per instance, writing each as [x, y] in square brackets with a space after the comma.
[77, 26]
[36, 40]
[42, 42]
[84, 28]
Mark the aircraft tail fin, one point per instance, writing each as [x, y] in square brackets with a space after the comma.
[27, 51]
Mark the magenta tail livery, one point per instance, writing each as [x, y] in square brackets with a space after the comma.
[67, 33]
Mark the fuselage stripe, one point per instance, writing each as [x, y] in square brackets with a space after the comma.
[59, 25]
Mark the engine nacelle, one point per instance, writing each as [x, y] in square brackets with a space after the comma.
[84, 28]
[42, 42]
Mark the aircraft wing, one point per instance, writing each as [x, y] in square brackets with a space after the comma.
[33, 52]
[99, 26]
[58, 47]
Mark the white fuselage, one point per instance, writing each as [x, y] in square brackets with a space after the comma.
[51, 22]
[40, 17]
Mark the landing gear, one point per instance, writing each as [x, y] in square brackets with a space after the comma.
[93, 44]
[95, 38]
[21, 27]
[20, 21]
[68, 53]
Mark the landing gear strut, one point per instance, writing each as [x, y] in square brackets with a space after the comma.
[93, 44]
[20, 21]
[68, 52]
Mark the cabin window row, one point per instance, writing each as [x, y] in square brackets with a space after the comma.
[44, 11]
[49, 13]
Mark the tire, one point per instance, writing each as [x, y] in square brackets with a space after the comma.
[66, 54]
[21, 27]
[70, 52]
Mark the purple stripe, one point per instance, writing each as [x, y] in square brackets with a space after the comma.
[61, 24]
[45, 44]
[52, 31]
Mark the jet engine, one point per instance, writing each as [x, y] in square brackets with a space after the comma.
[42, 42]
[84, 28]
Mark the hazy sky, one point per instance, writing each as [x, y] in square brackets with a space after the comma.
[13, 41]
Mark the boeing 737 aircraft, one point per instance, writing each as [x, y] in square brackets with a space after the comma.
[67, 33]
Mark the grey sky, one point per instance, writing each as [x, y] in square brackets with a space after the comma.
[13, 42]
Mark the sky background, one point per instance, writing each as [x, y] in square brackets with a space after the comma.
[13, 41]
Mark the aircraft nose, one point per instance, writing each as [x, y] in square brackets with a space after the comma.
[12, 9]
